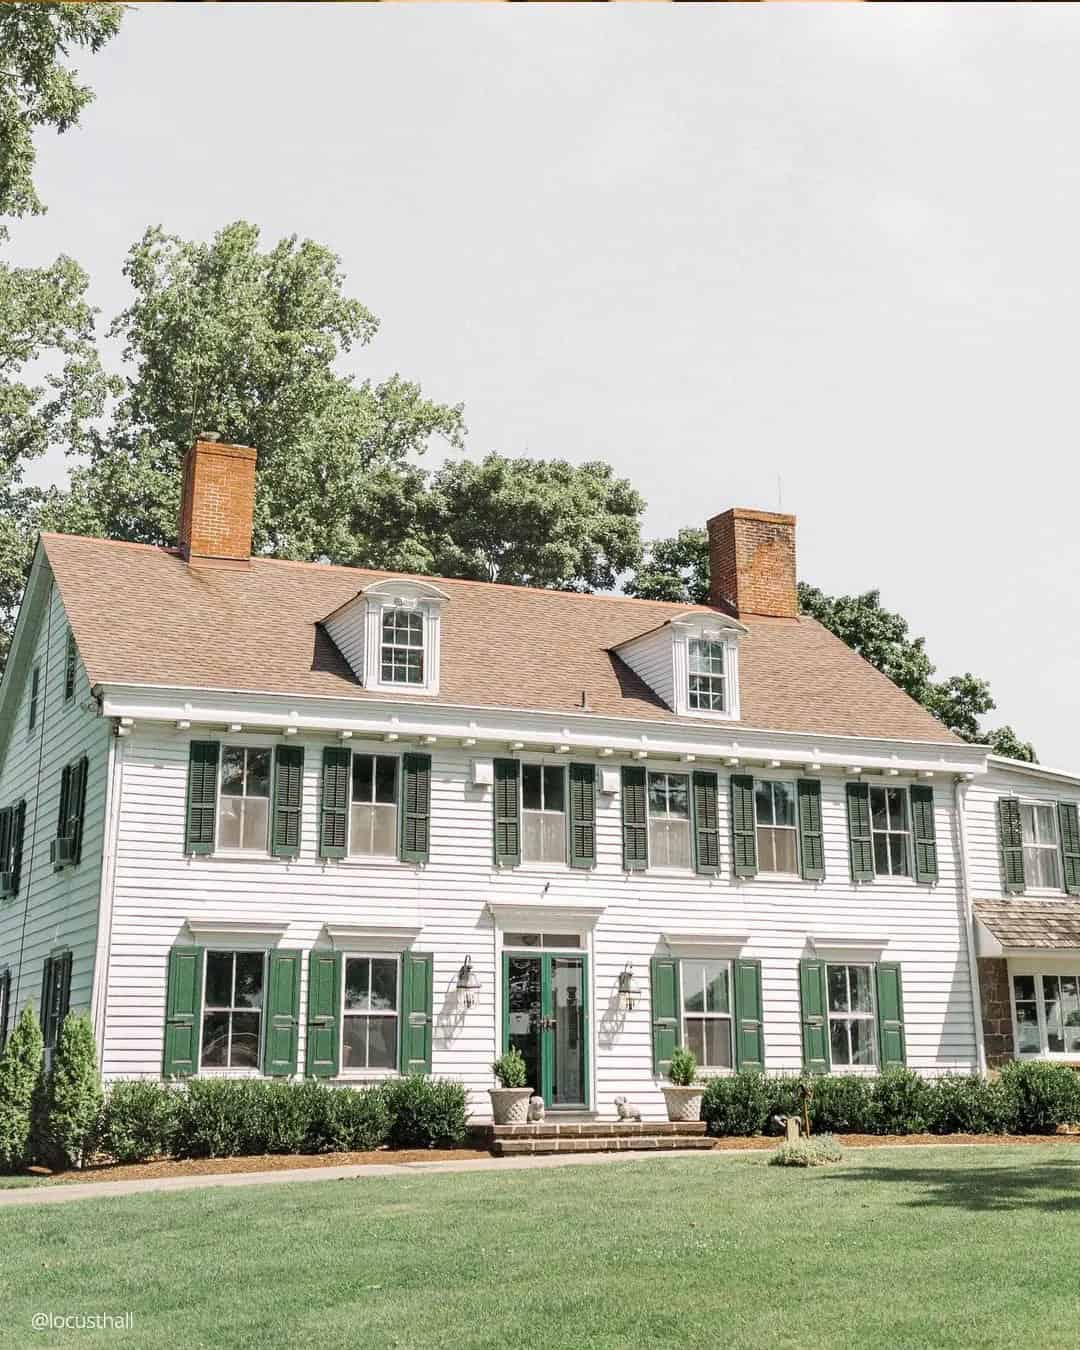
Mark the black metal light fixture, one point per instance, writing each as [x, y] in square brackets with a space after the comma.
[628, 990]
[468, 986]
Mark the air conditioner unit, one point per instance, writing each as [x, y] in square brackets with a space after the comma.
[7, 883]
[62, 851]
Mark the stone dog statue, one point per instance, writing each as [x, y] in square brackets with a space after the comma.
[626, 1110]
[536, 1109]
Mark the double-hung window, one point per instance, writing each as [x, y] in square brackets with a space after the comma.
[543, 813]
[706, 1012]
[1039, 827]
[244, 814]
[708, 679]
[669, 820]
[852, 1026]
[1047, 1014]
[402, 649]
[232, 1010]
[373, 807]
[891, 829]
[369, 1022]
[774, 812]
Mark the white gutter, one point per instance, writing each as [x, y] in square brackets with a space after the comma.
[103, 953]
[959, 794]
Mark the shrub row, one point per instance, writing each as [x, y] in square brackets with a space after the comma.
[1025, 1099]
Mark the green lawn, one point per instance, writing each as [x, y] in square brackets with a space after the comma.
[943, 1247]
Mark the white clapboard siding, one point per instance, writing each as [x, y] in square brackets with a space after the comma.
[157, 888]
[652, 658]
[984, 845]
[53, 910]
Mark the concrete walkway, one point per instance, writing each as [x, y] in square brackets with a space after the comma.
[60, 1192]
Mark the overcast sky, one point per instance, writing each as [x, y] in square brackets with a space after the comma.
[738, 251]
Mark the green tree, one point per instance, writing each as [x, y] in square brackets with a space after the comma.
[533, 522]
[73, 1094]
[20, 1068]
[675, 569]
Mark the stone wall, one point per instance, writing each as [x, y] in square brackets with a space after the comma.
[996, 1010]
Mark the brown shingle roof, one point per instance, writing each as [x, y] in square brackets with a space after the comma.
[1032, 923]
[142, 616]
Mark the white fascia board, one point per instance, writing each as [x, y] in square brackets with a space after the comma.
[733, 942]
[585, 732]
[528, 914]
[212, 927]
[353, 934]
[1021, 766]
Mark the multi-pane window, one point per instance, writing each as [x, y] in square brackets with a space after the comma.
[1038, 822]
[373, 810]
[774, 811]
[35, 683]
[889, 821]
[232, 1010]
[369, 1023]
[543, 813]
[852, 1036]
[708, 688]
[70, 658]
[402, 654]
[245, 798]
[55, 996]
[1047, 1014]
[706, 999]
[669, 820]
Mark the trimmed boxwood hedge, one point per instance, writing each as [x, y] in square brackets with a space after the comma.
[1026, 1098]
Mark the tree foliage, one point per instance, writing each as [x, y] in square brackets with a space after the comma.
[73, 1095]
[20, 1069]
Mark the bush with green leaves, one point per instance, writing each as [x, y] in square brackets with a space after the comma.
[20, 1069]
[842, 1104]
[510, 1069]
[426, 1112]
[966, 1104]
[899, 1103]
[139, 1120]
[816, 1151]
[741, 1103]
[74, 1099]
[1040, 1097]
[218, 1118]
[683, 1068]
[351, 1120]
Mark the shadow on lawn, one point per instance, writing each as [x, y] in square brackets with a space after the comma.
[983, 1190]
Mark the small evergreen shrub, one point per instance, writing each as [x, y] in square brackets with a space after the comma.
[842, 1104]
[683, 1068]
[899, 1103]
[510, 1069]
[816, 1151]
[426, 1112]
[350, 1120]
[965, 1104]
[1040, 1097]
[20, 1069]
[139, 1120]
[740, 1104]
[219, 1118]
[283, 1117]
[74, 1099]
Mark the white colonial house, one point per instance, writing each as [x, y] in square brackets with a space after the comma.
[274, 818]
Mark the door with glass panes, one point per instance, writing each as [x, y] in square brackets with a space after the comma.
[545, 1014]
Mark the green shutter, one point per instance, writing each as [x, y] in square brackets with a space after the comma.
[743, 828]
[201, 796]
[18, 833]
[282, 1013]
[1070, 846]
[44, 1011]
[924, 832]
[664, 981]
[5, 1007]
[7, 829]
[288, 801]
[69, 667]
[507, 813]
[749, 1029]
[811, 835]
[77, 806]
[815, 1023]
[705, 796]
[334, 806]
[860, 839]
[635, 820]
[890, 1016]
[183, 1012]
[582, 815]
[324, 1015]
[415, 808]
[1011, 838]
[62, 975]
[65, 797]
[416, 1012]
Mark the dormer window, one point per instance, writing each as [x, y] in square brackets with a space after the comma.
[708, 682]
[402, 653]
[390, 633]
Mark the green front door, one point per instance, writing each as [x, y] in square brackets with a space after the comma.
[545, 1016]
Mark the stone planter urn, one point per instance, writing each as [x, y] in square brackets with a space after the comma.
[510, 1106]
[684, 1103]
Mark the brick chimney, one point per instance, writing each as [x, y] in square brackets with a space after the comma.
[218, 504]
[752, 563]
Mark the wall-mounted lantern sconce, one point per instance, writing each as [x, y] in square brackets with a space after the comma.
[628, 990]
[468, 986]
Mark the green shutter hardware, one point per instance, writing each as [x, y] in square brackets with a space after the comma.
[183, 1012]
[324, 1012]
[705, 797]
[1069, 828]
[664, 1002]
[743, 826]
[334, 806]
[1011, 839]
[811, 835]
[749, 1028]
[201, 797]
[415, 808]
[417, 988]
[815, 1023]
[507, 813]
[582, 815]
[860, 839]
[923, 832]
[635, 820]
[288, 801]
[890, 1015]
[282, 1013]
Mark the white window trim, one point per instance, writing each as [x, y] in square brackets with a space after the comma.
[871, 1017]
[1037, 969]
[905, 788]
[226, 1070]
[709, 1070]
[221, 850]
[546, 762]
[374, 859]
[669, 869]
[711, 630]
[793, 784]
[1035, 889]
[368, 1073]
[416, 596]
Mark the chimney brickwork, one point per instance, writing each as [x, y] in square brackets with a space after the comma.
[217, 505]
[752, 563]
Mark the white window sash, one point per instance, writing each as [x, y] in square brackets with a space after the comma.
[394, 1012]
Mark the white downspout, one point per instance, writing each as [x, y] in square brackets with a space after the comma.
[103, 951]
[959, 794]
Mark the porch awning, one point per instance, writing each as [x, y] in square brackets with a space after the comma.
[1022, 925]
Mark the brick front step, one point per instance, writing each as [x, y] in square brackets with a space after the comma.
[600, 1129]
[511, 1148]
